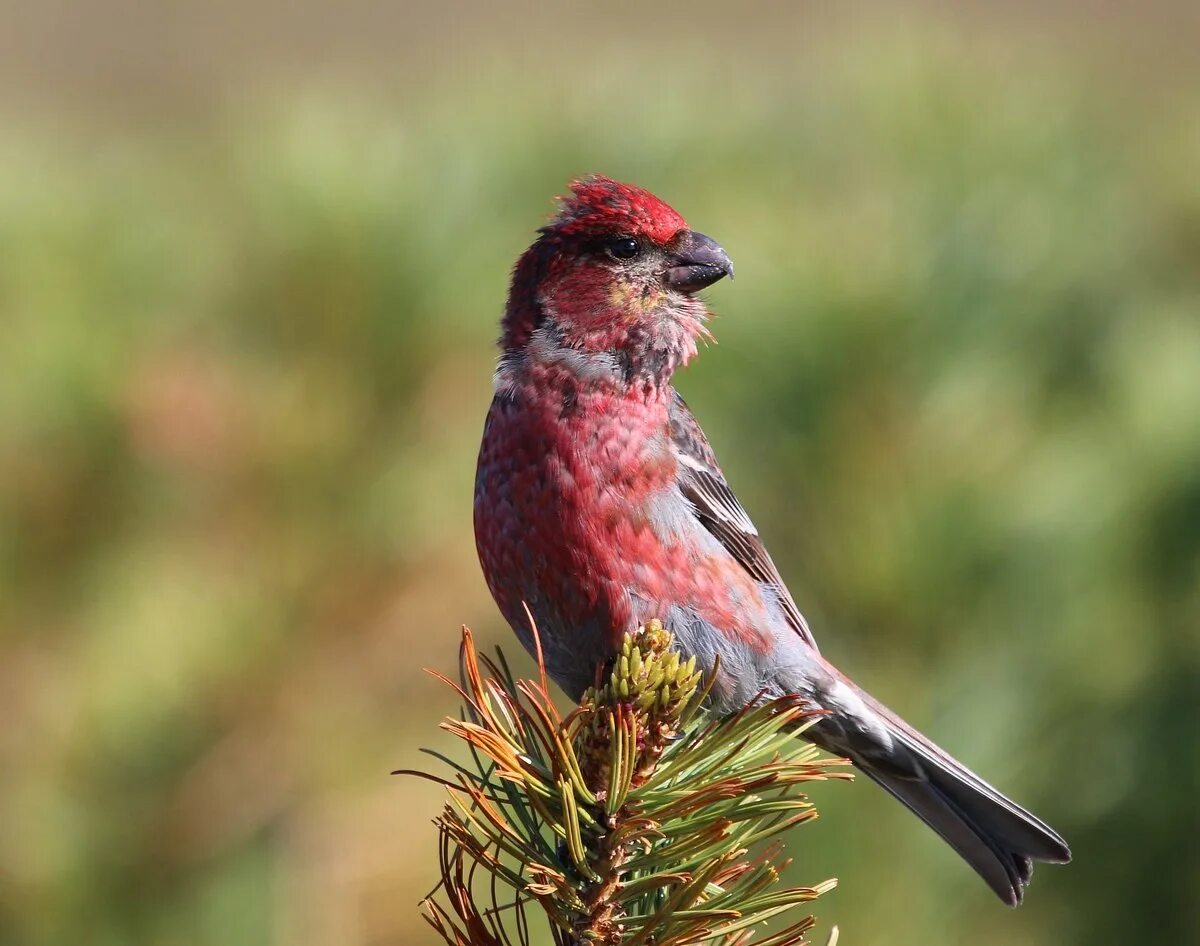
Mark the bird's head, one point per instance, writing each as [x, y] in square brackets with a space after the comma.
[607, 291]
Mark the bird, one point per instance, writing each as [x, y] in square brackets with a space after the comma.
[599, 506]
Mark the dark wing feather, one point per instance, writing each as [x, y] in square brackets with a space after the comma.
[719, 511]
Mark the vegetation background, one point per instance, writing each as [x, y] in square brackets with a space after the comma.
[251, 261]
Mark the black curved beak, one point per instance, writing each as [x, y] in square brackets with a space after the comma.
[697, 262]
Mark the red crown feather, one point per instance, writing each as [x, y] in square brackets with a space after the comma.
[600, 205]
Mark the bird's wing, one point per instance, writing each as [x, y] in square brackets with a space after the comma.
[719, 511]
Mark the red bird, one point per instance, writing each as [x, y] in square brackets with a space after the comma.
[599, 505]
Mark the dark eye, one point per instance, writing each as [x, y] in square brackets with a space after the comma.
[623, 248]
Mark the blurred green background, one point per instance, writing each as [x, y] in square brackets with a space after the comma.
[251, 263]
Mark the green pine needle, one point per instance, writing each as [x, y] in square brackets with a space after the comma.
[632, 821]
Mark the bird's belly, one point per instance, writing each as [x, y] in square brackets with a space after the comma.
[587, 530]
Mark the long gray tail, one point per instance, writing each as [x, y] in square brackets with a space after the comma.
[993, 834]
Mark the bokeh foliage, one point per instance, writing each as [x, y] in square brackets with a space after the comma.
[245, 360]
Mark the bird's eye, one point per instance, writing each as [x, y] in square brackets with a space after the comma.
[625, 248]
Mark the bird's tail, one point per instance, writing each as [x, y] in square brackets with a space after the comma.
[993, 834]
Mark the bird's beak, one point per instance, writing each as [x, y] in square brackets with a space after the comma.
[697, 261]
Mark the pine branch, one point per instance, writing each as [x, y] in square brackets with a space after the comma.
[633, 820]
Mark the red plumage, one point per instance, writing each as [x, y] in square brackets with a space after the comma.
[599, 505]
[598, 204]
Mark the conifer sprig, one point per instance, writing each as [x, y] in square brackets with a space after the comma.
[634, 820]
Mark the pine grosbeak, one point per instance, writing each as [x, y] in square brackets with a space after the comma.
[599, 505]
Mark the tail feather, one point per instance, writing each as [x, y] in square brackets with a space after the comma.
[1006, 870]
[996, 836]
